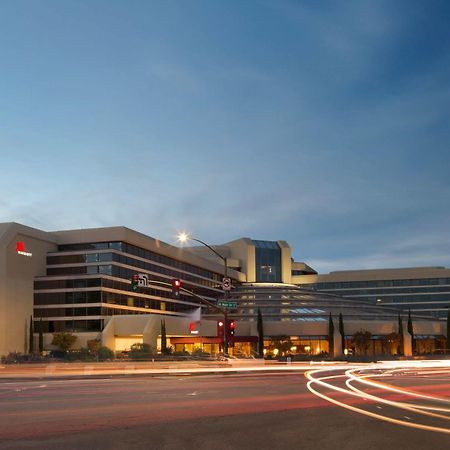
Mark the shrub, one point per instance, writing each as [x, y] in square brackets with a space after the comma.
[82, 354]
[140, 351]
[181, 353]
[200, 352]
[105, 353]
[63, 340]
[93, 345]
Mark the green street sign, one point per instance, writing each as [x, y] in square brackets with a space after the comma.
[230, 305]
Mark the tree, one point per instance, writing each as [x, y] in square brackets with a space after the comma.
[63, 340]
[400, 336]
[93, 345]
[330, 336]
[41, 337]
[31, 337]
[391, 343]
[448, 329]
[260, 327]
[342, 331]
[163, 338]
[361, 339]
[411, 330]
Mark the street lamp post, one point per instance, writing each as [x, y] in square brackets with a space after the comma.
[183, 237]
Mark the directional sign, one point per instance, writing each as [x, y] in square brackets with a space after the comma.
[229, 305]
[142, 279]
[226, 283]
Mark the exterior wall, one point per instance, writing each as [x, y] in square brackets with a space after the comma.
[423, 290]
[304, 280]
[244, 250]
[286, 262]
[17, 274]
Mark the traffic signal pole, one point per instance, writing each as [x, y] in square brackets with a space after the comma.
[224, 310]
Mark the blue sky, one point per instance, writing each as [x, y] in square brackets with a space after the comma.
[325, 124]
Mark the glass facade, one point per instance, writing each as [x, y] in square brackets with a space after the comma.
[267, 261]
[425, 296]
[86, 282]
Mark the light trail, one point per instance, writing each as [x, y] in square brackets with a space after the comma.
[353, 375]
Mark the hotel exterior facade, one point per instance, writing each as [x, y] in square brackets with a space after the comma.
[79, 281]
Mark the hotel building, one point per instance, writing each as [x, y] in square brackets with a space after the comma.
[79, 281]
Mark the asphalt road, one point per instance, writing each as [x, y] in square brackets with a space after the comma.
[245, 411]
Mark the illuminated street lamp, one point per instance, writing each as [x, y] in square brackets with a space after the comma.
[183, 238]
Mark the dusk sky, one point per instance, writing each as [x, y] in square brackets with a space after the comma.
[325, 124]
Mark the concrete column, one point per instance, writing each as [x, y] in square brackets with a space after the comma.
[338, 350]
[407, 344]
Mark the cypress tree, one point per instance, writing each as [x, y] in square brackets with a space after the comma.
[400, 335]
[448, 329]
[31, 336]
[341, 330]
[260, 335]
[41, 337]
[163, 337]
[411, 330]
[331, 336]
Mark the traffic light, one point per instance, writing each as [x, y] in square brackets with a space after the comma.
[176, 286]
[220, 327]
[231, 326]
[135, 282]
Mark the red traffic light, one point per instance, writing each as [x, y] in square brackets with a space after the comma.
[220, 329]
[176, 286]
[136, 278]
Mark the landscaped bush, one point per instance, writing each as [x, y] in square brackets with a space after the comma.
[17, 358]
[105, 353]
[83, 354]
[140, 351]
[181, 353]
[200, 352]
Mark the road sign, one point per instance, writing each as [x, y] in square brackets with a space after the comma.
[226, 283]
[229, 305]
[142, 279]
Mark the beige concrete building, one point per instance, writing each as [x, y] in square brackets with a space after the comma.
[80, 281]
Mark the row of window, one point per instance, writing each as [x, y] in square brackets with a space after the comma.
[381, 283]
[78, 283]
[142, 253]
[397, 290]
[122, 272]
[57, 326]
[67, 298]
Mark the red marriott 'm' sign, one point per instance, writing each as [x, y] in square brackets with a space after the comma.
[20, 249]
